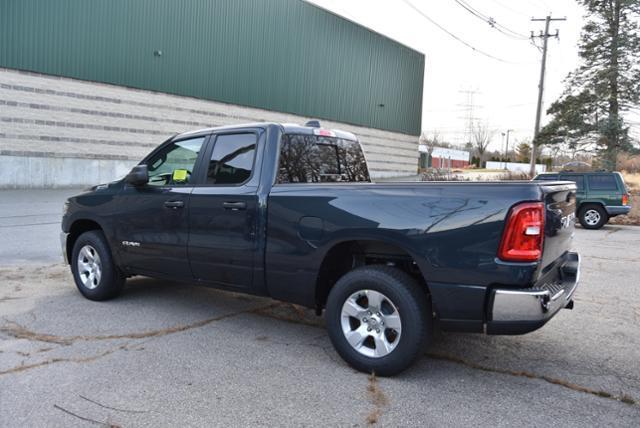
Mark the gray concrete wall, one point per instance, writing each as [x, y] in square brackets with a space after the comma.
[20, 172]
[49, 124]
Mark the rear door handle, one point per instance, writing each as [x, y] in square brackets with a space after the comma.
[174, 204]
[234, 206]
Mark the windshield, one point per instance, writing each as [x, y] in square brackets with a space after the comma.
[319, 159]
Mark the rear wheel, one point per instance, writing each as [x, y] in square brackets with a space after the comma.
[592, 216]
[94, 272]
[378, 319]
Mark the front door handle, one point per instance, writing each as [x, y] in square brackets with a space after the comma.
[174, 204]
[234, 206]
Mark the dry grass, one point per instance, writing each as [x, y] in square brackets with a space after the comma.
[633, 218]
[479, 175]
[633, 181]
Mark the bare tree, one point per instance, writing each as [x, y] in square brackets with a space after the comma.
[430, 141]
[482, 136]
[523, 152]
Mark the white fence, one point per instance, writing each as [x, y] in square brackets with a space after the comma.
[515, 166]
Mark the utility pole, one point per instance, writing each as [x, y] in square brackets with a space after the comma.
[545, 37]
[506, 151]
[502, 145]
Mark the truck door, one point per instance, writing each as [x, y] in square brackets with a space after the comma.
[223, 212]
[152, 227]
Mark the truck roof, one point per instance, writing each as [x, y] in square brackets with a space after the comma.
[287, 128]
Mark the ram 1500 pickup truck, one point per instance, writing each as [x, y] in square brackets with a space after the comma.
[290, 212]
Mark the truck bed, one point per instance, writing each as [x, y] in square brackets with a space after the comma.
[451, 229]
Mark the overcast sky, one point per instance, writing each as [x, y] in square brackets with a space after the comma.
[507, 90]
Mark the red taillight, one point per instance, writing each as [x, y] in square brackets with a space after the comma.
[524, 233]
[324, 132]
[625, 199]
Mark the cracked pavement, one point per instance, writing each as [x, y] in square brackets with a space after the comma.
[167, 353]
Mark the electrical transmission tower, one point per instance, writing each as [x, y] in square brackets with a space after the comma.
[545, 37]
[468, 109]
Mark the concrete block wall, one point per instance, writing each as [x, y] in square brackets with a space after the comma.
[57, 132]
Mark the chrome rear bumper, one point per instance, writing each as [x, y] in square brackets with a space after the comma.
[522, 311]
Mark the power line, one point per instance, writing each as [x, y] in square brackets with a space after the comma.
[533, 43]
[511, 9]
[454, 36]
[491, 21]
[540, 4]
[462, 109]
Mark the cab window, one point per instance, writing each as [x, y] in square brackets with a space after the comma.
[174, 164]
[232, 159]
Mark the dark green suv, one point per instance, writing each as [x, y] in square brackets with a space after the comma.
[600, 195]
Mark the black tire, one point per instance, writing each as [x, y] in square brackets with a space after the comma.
[111, 279]
[406, 296]
[589, 213]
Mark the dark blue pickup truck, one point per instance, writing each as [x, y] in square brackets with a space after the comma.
[290, 212]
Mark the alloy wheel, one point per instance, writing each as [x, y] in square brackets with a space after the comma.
[592, 217]
[89, 267]
[371, 323]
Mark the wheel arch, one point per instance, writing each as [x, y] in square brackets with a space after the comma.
[590, 202]
[77, 228]
[348, 254]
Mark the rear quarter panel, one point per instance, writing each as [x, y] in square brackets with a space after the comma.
[452, 230]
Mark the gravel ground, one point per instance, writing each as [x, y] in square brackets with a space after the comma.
[175, 354]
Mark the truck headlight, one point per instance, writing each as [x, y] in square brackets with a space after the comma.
[65, 208]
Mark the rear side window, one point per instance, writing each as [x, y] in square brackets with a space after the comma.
[578, 179]
[232, 159]
[319, 159]
[602, 182]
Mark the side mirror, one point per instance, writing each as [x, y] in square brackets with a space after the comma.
[139, 176]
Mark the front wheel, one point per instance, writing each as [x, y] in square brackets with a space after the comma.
[94, 272]
[378, 319]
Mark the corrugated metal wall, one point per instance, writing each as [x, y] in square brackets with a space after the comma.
[283, 55]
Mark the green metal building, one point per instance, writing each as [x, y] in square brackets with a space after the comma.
[280, 55]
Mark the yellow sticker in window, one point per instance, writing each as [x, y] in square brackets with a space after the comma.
[179, 175]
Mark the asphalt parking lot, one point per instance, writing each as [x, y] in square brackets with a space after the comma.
[30, 225]
[174, 354]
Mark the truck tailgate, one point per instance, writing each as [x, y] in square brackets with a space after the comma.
[560, 201]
